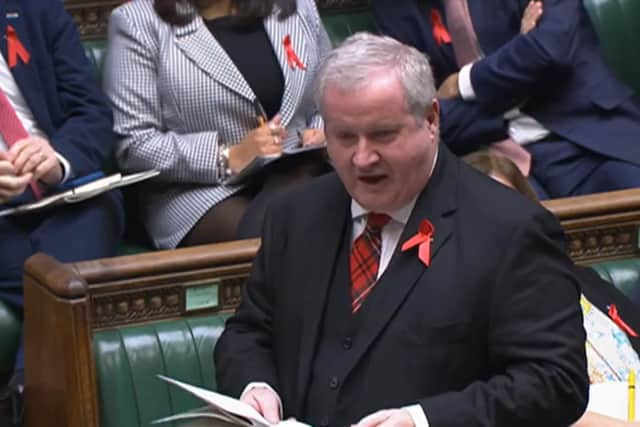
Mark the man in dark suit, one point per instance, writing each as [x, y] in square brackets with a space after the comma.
[55, 124]
[390, 293]
[547, 90]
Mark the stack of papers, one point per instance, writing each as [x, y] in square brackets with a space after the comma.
[224, 408]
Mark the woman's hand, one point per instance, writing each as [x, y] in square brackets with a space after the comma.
[312, 137]
[532, 15]
[265, 140]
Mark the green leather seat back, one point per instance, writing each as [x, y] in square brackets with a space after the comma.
[95, 49]
[10, 327]
[129, 358]
[341, 26]
[616, 22]
[623, 273]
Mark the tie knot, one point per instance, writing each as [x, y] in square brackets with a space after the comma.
[375, 221]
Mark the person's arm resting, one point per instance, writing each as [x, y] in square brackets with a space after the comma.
[85, 139]
[509, 75]
[130, 81]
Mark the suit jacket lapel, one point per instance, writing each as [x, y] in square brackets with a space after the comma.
[436, 203]
[330, 227]
[197, 42]
[294, 78]
[25, 75]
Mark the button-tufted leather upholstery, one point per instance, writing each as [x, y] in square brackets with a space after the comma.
[129, 358]
[10, 326]
[616, 22]
[624, 274]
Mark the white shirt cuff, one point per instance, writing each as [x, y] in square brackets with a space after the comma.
[66, 168]
[464, 83]
[253, 385]
[418, 415]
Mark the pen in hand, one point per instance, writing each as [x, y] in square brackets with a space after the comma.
[261, 115]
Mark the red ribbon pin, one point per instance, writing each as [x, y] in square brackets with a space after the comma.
[16, 48]
[615, 316]
[292, 57]
[422, 239]
[440, 33]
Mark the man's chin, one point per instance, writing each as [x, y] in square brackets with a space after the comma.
[373, 202]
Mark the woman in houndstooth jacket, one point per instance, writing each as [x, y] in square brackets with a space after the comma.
[184, 78]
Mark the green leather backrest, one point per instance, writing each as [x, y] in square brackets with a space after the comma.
[341, 26]
[95, 49]
[623, 273]
[10, 326]
[618, 25]
[129, 358]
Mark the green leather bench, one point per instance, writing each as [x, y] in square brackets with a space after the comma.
[80, 372]
[127, 363]
[98, 332]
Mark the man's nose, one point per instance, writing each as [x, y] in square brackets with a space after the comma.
[364, 155]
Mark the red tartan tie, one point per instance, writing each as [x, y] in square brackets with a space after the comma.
[365, 259]
[12, 131]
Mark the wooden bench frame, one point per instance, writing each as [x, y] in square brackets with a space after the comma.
[66, 303]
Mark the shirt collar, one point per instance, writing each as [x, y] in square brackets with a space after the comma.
[400, 215]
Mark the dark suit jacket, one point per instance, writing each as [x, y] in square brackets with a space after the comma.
[489, 335]
[555, 72]
[58, 83]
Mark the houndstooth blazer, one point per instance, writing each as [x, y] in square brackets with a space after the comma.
[179, 100]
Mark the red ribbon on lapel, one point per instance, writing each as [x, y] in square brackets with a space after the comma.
[440, 33]
[422, 239]
[16, 48]
[615, 316]
[292, 58]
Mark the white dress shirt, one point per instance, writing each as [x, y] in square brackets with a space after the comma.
[12, 91]
[523, 129]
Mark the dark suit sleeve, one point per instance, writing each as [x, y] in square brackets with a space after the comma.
[466, 127]
[85, 137]
[509, 75]
[244, 352]
[535, 341]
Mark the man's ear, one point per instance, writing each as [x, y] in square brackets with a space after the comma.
[433, 113]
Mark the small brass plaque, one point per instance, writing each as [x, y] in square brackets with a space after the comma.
[201, 297]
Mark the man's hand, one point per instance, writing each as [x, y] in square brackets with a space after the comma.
[265, 401]
[11, 184]
[312, 137]
[531, 16]
[34, 155]
[449, 88]
[387, 418]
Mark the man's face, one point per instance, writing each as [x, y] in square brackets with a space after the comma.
[380, 151]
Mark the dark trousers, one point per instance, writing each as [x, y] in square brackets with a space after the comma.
[564, 169]
[83, 231]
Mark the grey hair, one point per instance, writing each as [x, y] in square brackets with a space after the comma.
[352, 63]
